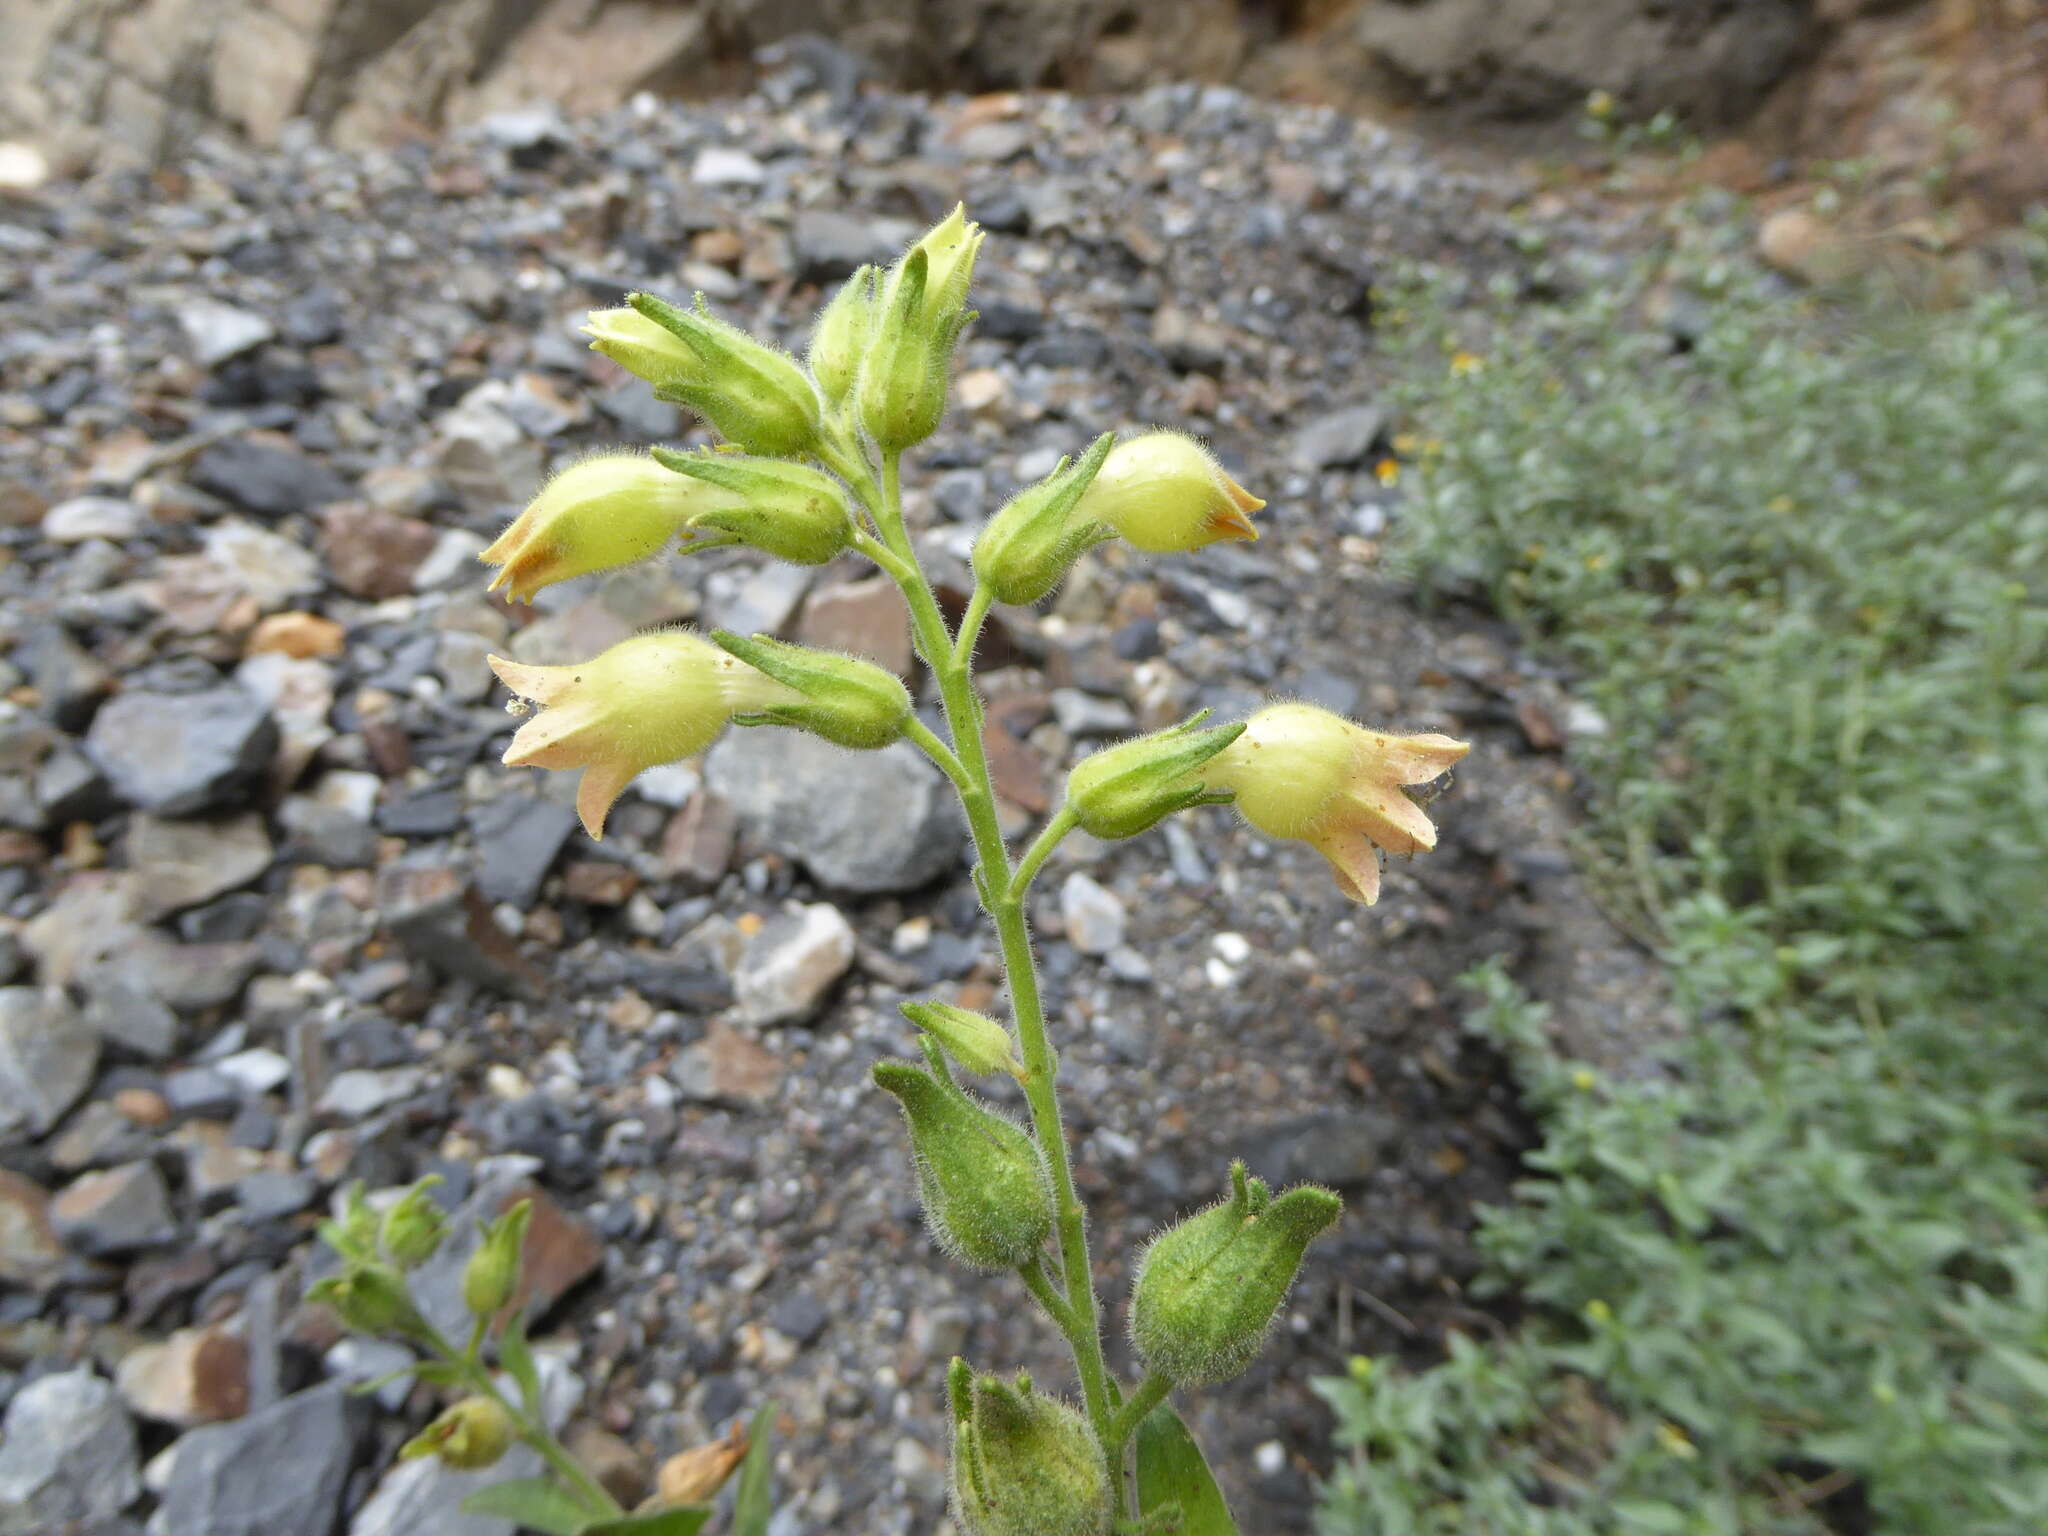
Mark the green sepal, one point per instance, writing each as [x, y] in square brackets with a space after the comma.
[536, 1503]
[1133, 786]
[753, 1502]
[903, 381]
[755, 396]
[371, 1298]
[848, 701]
[1208, 1289]
[491, 1277]
[1027, 548]
[842, 335]
[1174, 1477]
[790, 511]
[414, 1227]
[987, 1196]
[1024, 1464]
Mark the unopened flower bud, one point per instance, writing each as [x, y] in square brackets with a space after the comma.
[986, 1196]
[491, 1278]
[353, 1233]
[903, 382]
[840, 339]
[641, 346]
[1027, 548]
[596, 515]
[1164, 492]
[474, 1433]
[753, 395]
[1299, 771]
[1024, 1464]
[1128, 788]
[414, 1226]
[370, 1298]
[850, 702]
[790, 511]
[1208, 1289]
[695, 1476]
[975, 1040]
[649, 700]
[949, 248]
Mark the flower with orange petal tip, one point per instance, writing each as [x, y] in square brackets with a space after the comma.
[653, 699]
[1164, 492]
[598, 514]
[1301, 772]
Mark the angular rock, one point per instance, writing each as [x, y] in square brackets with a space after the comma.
[267, 479]
[113, 518]
[70, 679]
[440, 918]
[727, 1067]
[220, 331]
[789, 967]
[268, 567]
[1337, 439]
[47, 1057]
[519, 838]
[279, 1470]
[864, 618]
[860, 821]
[67, 1454]
[828, 245]
[417, 1497]
[179, 754]
[115, 1211]
[372, 553]
[1094, 916]
[196, 1376]
[180, 864]
[30, 1251]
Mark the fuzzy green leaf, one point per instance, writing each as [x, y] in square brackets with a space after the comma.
[1172, 1470]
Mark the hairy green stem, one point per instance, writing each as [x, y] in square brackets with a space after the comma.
[1150, 1394]
[1002, 894]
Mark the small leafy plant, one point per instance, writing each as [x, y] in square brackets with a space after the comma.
[810, 469]
[494, 1410]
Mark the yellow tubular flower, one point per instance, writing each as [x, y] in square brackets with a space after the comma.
[1165, 493]
[649, 700]
[596, 515]
[1301, 772]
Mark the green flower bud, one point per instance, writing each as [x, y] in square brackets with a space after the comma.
[841, 698]
[1026, 549]
[986, 1196]
[491, 1278]
[840, 339]
[414, 1227]
[473, 1434]
[755, 396]
[1024, 1464]
[975, 1040]
[353, 1234]
[1128, 788]
[903, 382]
[949, 249]
[1208, 1289]
[790, 511]
[370, 1298]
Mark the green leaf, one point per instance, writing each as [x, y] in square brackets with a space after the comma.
[533, 1502]
[518, 1362]
[683, 1521]
[1171, 1470]
[754, 1502]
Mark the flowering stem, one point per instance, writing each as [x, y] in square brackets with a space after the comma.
[1002, 891]
[1150, 1394]
[1041, 849]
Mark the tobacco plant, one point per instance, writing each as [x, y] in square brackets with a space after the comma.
[810, 469]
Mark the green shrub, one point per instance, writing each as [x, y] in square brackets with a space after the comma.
[1801, 1283]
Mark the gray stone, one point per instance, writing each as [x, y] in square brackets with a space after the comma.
[280, 1470]
[270, 568]
[220, 331]
[180, 864]
[117, 1210]
[754, 602]
[440, 918]
[362, 1091]
[1080, 713]
[67, 1454]
[269, 1195]
[789, 966]
[93, 517]
[1335, 1146]
[131, 1020]
[47, 1057]
[178, 754]
[267, 479]
[1094, 916]
[519, 837]
[70, 787]
[1337, 439]
[830, 245]
[717, 166]
[860, 821]
[186, 977]
[70, 679]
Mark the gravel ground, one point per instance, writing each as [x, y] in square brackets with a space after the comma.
[276, 919]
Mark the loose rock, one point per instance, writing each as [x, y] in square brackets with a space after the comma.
[47, 1056]
[179, 754]
[67, 1454]
[792, 963]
